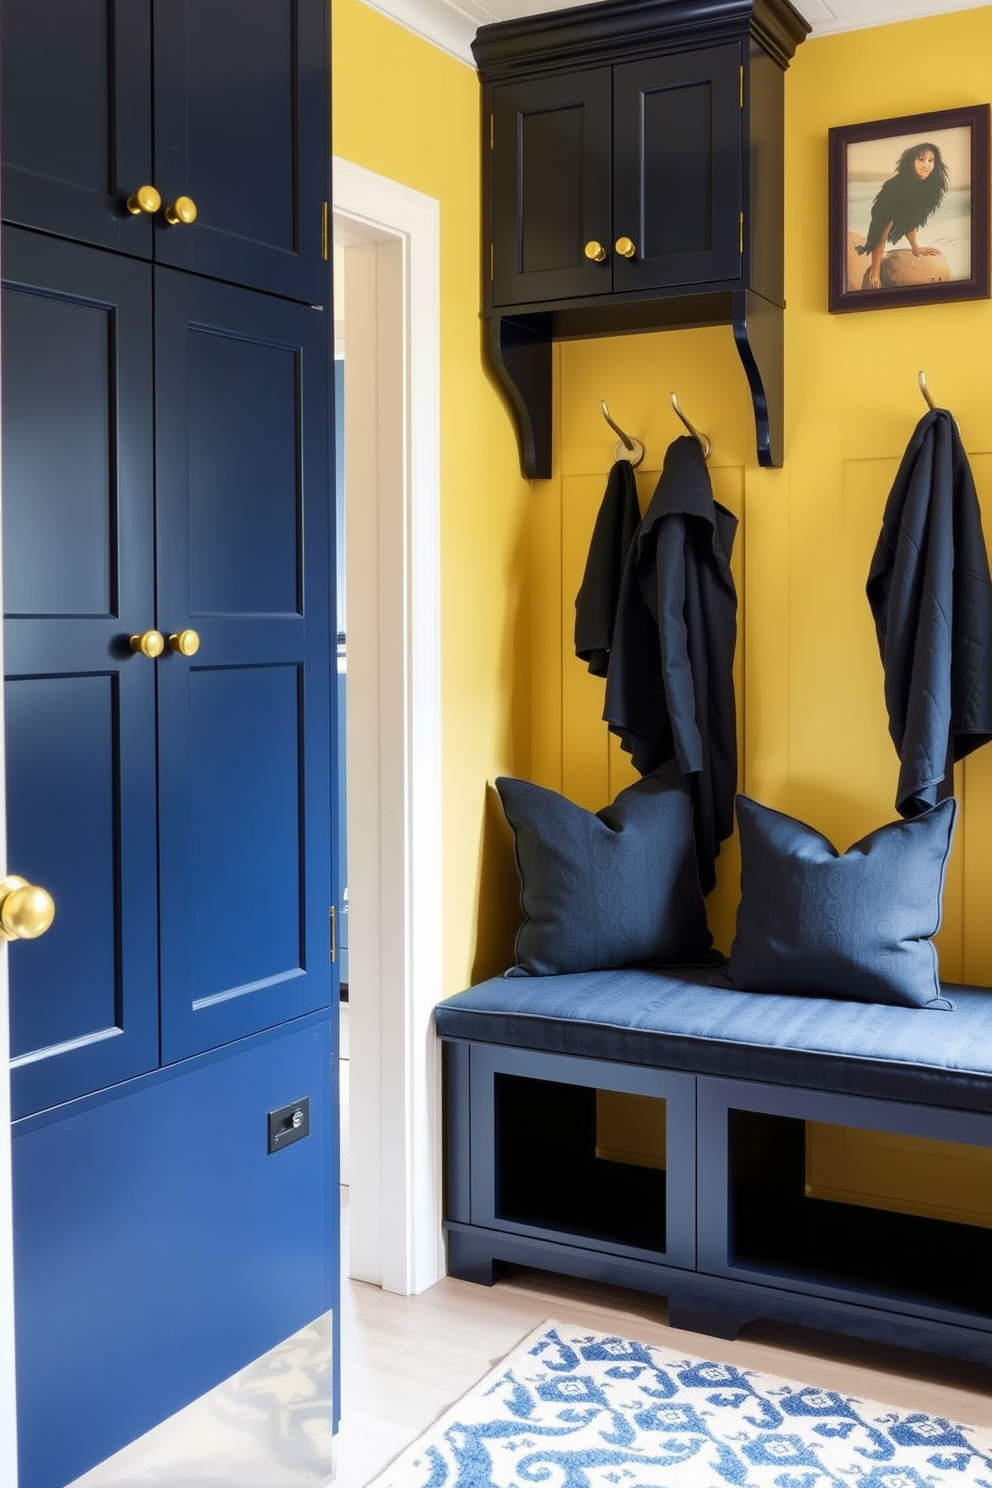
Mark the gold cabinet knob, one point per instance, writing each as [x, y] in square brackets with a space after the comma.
[185, 642]
[149, 643]
[145, 199]
[183, 209]
[626, 247]
[26, 911]
[595, 251]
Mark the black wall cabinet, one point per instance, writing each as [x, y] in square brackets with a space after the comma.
[642, 192]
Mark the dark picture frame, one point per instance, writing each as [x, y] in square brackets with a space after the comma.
[881, 170]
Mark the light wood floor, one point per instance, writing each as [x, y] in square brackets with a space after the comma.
[405, 1359]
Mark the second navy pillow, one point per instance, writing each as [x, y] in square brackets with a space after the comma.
[828, 924]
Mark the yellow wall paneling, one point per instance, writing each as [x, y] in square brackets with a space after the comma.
[910, 1175]
[631, 1129]
[812, 726]
[812, 729]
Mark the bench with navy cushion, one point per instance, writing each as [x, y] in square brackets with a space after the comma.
[725, 1228]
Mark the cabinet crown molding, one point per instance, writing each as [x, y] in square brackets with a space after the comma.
[613, 30]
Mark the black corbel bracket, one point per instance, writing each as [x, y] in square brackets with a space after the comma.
[520, 356]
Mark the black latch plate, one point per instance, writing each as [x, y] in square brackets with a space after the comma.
[289, 1124]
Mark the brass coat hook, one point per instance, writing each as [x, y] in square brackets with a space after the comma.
[929, 400]
[702, 439]
[628, 448]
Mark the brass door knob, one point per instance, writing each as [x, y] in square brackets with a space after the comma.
[595, 251]
[145, 199]
[149, 643]
[185, 642]
[183, 209]
[626, 247]
[26, 911]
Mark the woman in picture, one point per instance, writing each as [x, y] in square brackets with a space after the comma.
[905, 202]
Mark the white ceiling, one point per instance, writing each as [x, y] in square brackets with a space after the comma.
[451, 24]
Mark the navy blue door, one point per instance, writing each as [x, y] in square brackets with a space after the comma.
[165, 470]
[244, 745]
[242, 879]
[80, 704]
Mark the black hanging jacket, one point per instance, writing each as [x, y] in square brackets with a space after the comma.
[670, 685]
[596, 601]
[931, 596]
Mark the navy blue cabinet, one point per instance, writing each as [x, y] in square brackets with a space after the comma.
[78, 533]
[222, 103]
[176, 807]
[243, 505]
[168, 577]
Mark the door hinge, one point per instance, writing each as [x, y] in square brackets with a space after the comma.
[492, 260]
[323, 231]
[742, 86]
[740, 247]
[492, 131]
[333, 917]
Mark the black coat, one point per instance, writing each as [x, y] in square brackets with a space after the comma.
[596, 601]
[931, 596]
[670, 686]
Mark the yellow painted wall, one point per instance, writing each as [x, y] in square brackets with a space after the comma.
[409, 112]
[812, 724]
[813, 727]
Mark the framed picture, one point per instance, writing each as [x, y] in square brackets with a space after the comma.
[909, 210]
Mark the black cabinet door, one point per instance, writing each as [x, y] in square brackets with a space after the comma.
[678, 169]
[242, 128]
[551, 187]
[650, 152]
[78, 547]
[76, 134]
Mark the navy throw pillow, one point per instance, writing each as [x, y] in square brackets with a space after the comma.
[609, 888]
[852, 925]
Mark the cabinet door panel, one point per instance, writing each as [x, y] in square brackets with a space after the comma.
[75, 84]
[80, 704]
[678, 168]
[244, 744]
[159, 1247]
[242, 127]
[551, 186]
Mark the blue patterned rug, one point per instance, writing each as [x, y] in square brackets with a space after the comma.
[573, 1409]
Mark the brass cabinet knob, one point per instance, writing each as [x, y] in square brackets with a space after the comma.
[595, 251]
[185, 642]
[183, 209]
[145, 199]
[26, 911]
[626, 247]
[149, 643]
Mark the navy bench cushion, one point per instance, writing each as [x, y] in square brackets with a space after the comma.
[676, 1021]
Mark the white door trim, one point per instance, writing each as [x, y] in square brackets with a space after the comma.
[392, 422]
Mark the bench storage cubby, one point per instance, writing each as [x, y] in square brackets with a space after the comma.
[731, 1198]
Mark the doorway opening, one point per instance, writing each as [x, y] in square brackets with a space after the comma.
[386, 241]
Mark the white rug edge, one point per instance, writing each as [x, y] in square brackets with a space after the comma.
[570, 1331]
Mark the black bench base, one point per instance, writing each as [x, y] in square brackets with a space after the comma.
[727, 1232]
